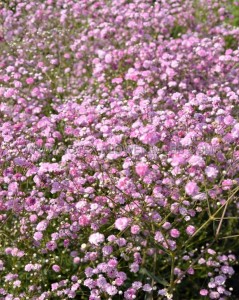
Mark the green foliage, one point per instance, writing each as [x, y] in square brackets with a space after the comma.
[177, 30]
[230, 42]
[234, 11]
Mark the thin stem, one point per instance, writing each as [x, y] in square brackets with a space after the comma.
[172, 273]
[214, 215]
[229, 236]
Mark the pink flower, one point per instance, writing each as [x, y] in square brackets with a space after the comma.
[190, 271]
[159, 237]
[166, 225]
[220, 279]
[117, 80]
[28, 267]
[33, 218]
[112, 263]
[190, 230]
[42, 226]
[196, 160]
[56, 268]
[37, 236]
[214, 295]
[235, 131]
[211, 172]
[13, 188]
[122, 223]
[147, 288]
[227, 184]
[54, 286]
[203, 292]
[150, 138]
[174, 233]
[108, 58]
[17, 283]
[134, 267]
[107, 250]
[135, 229]
[30, 80]
[76, 260]
[111, 290]
[96, 238]
[227, 270]
[178, 159]
[142, 169]
[191, 188]
[228, 120]
[51, 245]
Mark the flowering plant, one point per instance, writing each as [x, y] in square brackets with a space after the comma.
[119, 159]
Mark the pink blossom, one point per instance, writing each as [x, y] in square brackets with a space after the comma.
[150, 138]
[108, 58]
[122, 223]
[135, 229]
[52, 245]
[56, 268]
[30, 80]
[191, 188]
[142, 169]
[203, 292]
[13, 188]
[227, 184]
[41, 226]
[174, 233]
[38, 236]
[196, 160]
[211, 172]
[190, 230]
[96, 238]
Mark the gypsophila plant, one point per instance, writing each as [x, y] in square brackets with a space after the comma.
[119, 149]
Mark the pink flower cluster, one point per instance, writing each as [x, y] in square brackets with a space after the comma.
[119, 159]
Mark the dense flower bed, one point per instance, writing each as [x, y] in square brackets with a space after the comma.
[119, 149]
